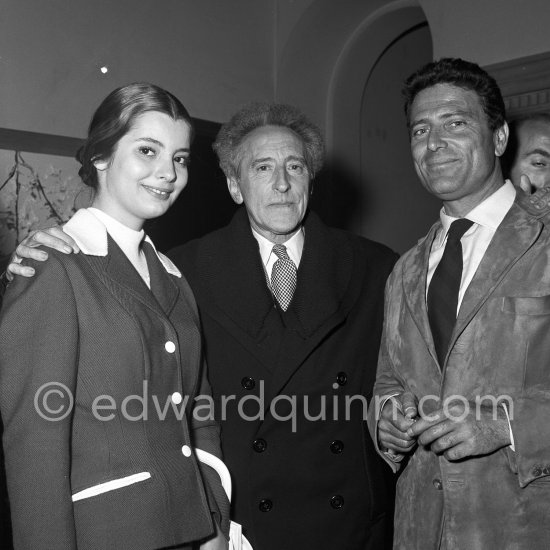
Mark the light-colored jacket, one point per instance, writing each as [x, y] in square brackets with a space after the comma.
[500, 347]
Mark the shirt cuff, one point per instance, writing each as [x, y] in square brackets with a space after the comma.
[393, 457]
[512, 443]
[386, 399]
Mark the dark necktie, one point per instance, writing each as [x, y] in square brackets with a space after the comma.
[444, 287]
[156, 269]
[283, 277]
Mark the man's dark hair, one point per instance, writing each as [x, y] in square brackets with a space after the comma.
[463, 74]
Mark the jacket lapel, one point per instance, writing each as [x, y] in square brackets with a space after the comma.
[119, 274]
[415, 273]
[165, 289]
[515, 236]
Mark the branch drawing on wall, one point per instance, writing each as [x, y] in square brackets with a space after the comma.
[36, 191]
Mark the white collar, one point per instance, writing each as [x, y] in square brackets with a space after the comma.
[90, 233]
[488, 213]
[128, 239]
[294, 246]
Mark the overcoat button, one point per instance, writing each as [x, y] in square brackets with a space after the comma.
[177, 398]
[341, 378]
[248, 383]
[170, 347]
[546, 470]
[259, 445]
[186, 451]
[265, 505]
[337, 447]
[437, 484]
[337, 501]
[537, 472]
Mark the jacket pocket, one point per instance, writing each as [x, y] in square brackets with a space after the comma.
[110, 486]
[528, 305]
[525, 340]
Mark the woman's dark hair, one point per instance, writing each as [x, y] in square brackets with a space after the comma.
[463, 74]
[114, 118]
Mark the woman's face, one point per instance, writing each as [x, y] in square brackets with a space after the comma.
[147, 170]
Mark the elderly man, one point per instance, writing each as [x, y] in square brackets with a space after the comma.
[292, 316]
[463, 382]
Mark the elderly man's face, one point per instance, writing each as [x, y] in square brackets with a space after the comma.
[453, 148]
[533, 153]
[273, 182]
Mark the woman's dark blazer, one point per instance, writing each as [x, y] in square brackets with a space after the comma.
[87, 329]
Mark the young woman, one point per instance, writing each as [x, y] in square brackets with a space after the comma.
[101, 423]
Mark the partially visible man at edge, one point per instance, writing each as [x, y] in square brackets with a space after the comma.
[307, 476]
[526, 160]
[463, 381]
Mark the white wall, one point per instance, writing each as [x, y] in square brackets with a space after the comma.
[485, 31]
[324, 71]
[488, 31]
[218, 54]
[213, 54]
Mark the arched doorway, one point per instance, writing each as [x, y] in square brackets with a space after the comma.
[395, 208]
[375, 191]
[338, 63]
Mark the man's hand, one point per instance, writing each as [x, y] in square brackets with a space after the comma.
[54, 237]
[463, 429]
[396, 418]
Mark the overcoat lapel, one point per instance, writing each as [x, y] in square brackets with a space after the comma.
[517, 233]
[234, 286]
[329, 279]
[239, 299]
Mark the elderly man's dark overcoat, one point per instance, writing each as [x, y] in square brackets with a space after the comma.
[299, 483]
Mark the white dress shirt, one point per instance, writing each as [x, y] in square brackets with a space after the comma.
[487, 216]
